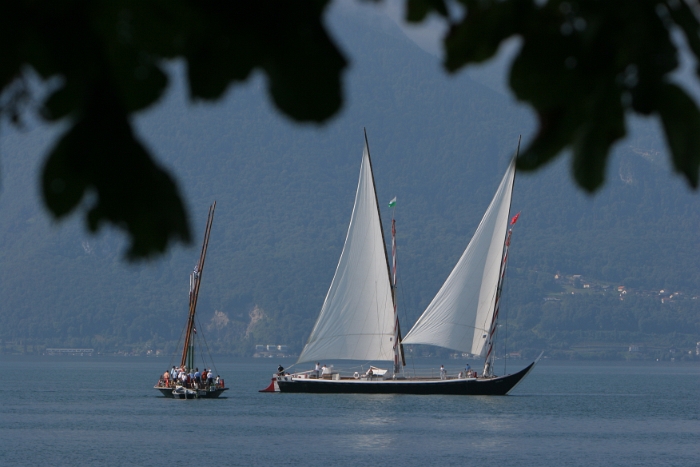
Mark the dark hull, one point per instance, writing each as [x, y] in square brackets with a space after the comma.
[499, 386]
[201, 393]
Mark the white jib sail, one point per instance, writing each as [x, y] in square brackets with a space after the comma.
[459, 316]
[357, 318]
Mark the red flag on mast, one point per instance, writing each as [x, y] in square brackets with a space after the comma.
[514, 219]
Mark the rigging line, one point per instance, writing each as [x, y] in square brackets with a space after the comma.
[206, 346]
[398, 345]
[505, 341]
[403, 297]
[509, 232]
[493, 323]
[376, 203]
[500, 296]
[196, 339]
[493, 328]
[175, 351]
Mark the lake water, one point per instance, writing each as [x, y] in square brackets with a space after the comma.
[79, 411]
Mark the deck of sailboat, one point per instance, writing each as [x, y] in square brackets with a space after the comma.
[495, 386]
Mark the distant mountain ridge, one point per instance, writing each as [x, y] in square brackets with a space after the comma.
[285, 192]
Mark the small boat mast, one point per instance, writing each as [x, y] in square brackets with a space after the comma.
[195, 280]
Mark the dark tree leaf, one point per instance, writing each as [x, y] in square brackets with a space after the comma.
[486, 25]
[684, 17]
[286, 40]
[583, 65]
[62, 102]
[101, 154]
[594, 137]
[681, 120]
[417, 10]
[108, 56]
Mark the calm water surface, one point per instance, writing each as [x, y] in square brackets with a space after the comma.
[103, 411]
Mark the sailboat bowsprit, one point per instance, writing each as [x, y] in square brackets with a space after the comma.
[186, 381]
[358, 319]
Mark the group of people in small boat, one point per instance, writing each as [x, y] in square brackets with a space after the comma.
[192, 379]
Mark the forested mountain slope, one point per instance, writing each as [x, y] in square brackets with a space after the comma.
[285, 192]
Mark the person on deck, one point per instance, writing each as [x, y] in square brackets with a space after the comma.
[443, 372]
[467, 371]
[197, 376]
[280, 370]
[318, 369]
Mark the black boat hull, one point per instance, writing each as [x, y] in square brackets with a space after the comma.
[498, 386]
[201, 394]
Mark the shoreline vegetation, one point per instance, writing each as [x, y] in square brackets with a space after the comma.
[568, 316]
[595, 351]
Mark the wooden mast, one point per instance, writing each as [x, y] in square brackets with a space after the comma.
[397, 344]
[490, 355]
[196, 278]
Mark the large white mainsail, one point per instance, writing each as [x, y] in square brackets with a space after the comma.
[357, 318]
[460, 315]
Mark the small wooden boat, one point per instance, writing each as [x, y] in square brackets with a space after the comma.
[185, 381]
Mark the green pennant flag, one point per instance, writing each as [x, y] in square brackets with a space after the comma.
[392, 203]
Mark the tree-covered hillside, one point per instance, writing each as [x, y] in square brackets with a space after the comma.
[284, 196]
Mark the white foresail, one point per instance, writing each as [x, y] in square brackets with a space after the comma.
[459, 316]
[357, 318]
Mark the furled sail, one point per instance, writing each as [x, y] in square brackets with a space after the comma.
[357, 318]
[459, 316]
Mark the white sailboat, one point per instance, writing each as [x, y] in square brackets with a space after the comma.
[358, 320]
